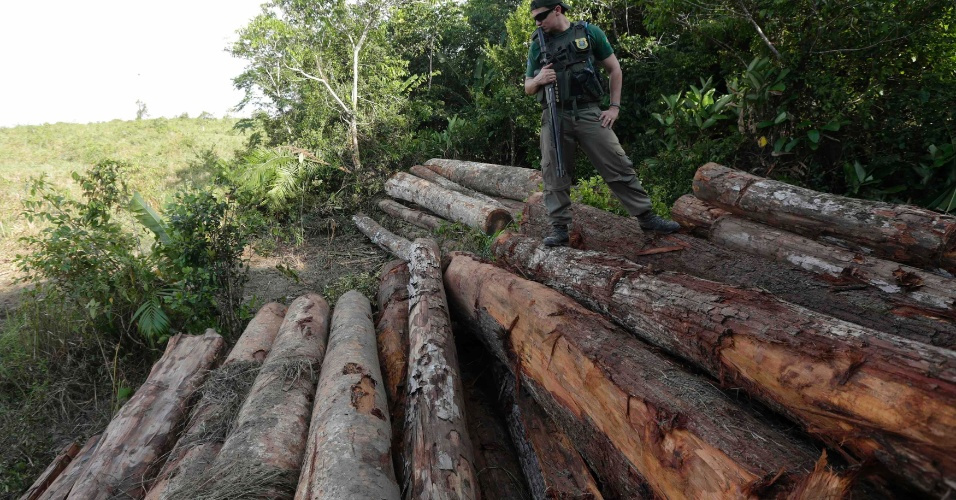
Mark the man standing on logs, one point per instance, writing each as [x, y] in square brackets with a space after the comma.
[567, 62]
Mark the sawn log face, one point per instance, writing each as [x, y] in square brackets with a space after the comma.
[901, 233]
[878, 395]
[648, 413]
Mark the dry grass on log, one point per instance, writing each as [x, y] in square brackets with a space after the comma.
[223, 394]
[238, 480]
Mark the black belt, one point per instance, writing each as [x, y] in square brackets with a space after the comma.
[569, 104]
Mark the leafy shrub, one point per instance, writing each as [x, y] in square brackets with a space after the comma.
[595, 192]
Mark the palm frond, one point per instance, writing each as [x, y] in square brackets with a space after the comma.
[148, 217]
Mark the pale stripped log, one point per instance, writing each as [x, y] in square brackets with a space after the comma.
[516, 183]
[448, 204]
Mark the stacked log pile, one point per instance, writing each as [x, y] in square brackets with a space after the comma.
[786, 344]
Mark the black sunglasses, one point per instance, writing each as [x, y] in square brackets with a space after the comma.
[541, 16]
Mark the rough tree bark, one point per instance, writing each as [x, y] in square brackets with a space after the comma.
[385, 239]
[901, 233]
[144, 430]
[439, 459]
[921, 288]
[63, 483]
[391, 330]
[877, 395]
[262, 456]
[638, 418]
[430, 175]
[56, 467]
[206, 431]
[412, 216]
[516, 183]
[448, 204]
[594, 229]
[348, 447]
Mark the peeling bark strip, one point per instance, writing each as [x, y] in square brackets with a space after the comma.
[270, 433]
[56, 467]
[416, 217]
[63, 483]
[877, 395]
[430, 175]
[348, 446]
[391, 330]
[200, 443]
[439, 459]
[516, 183]
[924, 289]
[143, 431]
[685, 438]
[901, 233]
[448, 204]
[385, 239]
[597, 230]
[696, 214]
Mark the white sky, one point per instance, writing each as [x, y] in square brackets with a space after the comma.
[84, 61]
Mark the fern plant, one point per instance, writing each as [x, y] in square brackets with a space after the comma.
[277, 177]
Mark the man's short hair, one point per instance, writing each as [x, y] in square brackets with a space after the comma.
[537, 4]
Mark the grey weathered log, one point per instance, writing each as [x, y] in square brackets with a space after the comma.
[56, 467]
[385, 239]
[262, 456]
[348, 454]
[213, 414]
[638, 418]
[129, 453]
[433, 176]
[516, 183]
[901, 233]
[448, 204]
[439, 461]
[410, 215]
[594, 229]
[60, 487]
[843, 383]
[391, 330]
[922, 288]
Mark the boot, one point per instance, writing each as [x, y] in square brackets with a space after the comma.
[558, 237]
[652, 222]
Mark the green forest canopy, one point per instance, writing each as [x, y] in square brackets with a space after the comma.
[851, 97]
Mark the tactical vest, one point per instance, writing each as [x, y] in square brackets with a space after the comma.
[573, 58]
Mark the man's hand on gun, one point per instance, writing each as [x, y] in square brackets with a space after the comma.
[546, 76]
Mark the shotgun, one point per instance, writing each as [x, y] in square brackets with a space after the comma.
[551, 94]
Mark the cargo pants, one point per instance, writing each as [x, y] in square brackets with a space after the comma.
[602, 148]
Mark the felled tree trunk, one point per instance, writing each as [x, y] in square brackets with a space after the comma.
[901, 233]
[61, 485]
[439, 461]
[391, 329]
[696, 214]
[448, 204]
[935, 294]
[262, 456]
[430, 175]
[516, 183]
[594, 229]
[348, 447]
[385, 239]
[845, 384]
[416, 217]
[221, 397]
[56, 467]
[144, 430]
[639, 419]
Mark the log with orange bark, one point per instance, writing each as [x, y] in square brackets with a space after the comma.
[60, 487]
[875, 395]
[504, 181]
[56, 467]
[391, 330]
[348, 454]
[448, 204]
[902, 233]
[439, 459]
[594, 229]
[221, 397]
[920, 289]
[262, 455]
[647, 427]
[130, 451]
